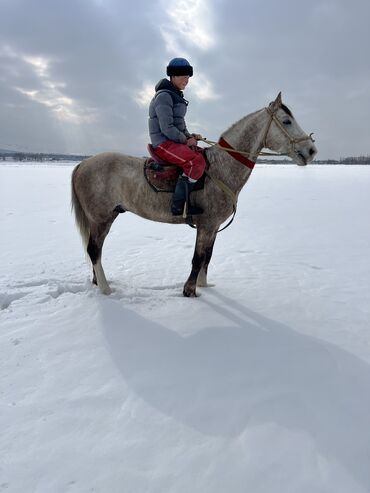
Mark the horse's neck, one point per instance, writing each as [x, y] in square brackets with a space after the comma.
[245, 135]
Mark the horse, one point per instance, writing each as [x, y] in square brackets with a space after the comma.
[109, 183]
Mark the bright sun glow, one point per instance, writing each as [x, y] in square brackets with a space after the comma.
[189, 22]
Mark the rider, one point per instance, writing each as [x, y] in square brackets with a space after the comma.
[170, 138]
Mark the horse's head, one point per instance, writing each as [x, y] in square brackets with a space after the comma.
[284, 135]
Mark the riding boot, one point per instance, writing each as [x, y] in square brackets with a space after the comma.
[181, 197]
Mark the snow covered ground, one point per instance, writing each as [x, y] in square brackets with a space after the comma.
[261, 385]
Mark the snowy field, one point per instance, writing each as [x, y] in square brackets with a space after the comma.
[260, 385]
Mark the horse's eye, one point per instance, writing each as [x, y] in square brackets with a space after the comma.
[287, 122]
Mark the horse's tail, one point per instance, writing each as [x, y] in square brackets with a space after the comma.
[80, 216]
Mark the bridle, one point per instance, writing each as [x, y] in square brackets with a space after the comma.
[224, 145]
[292, 142]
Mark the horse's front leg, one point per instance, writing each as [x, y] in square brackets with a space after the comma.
[202, 276]
[202, 255]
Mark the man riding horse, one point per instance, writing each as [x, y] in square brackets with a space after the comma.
[170, 138]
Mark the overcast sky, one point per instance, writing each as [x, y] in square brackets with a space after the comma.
[78, 75]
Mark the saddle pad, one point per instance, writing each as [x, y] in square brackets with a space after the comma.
[161, 178]
[164, 178]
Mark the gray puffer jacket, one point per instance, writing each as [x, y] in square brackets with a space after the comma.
[166, 114]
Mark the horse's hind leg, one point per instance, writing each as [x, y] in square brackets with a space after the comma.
[98, 234]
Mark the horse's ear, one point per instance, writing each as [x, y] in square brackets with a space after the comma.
[275, 105]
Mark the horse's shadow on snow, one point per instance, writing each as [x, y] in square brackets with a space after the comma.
[221, 380]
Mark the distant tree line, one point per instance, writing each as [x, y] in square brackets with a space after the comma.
[355, 160]
[39, 157]
[342, 160]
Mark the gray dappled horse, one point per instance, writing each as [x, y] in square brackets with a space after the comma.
[109, 183]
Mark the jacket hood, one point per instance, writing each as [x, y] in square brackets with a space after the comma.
[167, 84]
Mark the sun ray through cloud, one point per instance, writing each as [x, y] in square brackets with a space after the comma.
[51, 93]
[189, 25]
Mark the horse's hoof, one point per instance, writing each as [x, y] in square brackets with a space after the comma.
[107, 291]
[189, 292]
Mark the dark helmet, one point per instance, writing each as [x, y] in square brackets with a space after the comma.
[179, 66]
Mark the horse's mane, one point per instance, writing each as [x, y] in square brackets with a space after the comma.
[287, 110]
[283, 107]
[238, 121]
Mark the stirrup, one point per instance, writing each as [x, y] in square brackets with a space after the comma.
[187, 211]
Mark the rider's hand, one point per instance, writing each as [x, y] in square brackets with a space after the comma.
[197, 136]
[191, 142]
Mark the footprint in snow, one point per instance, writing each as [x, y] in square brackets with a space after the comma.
[7, 299]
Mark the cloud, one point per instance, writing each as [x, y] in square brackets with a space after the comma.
[188, 23]
[145, 95]
[203, 88]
